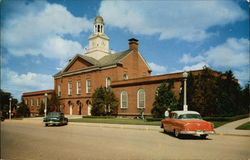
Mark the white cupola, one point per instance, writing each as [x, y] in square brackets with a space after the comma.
[98, 41]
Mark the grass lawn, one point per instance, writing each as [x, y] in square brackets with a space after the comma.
[117, 121]
[217, 122]
[129, 121]
[17, 118]
[245, 126]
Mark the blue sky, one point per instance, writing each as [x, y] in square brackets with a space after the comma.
[39, 37]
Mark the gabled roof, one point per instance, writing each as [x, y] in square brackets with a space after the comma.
[113, 58]
[106, 61]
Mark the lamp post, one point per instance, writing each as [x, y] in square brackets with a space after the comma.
[45, 109]
[10, 108]
[185, 106]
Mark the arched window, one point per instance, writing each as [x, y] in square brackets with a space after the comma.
[125, 77]
[141, 98]
[124, 99]
[108, 82]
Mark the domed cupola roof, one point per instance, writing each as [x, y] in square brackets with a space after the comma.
[98, 19]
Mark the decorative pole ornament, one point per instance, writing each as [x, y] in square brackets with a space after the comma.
[185, 106]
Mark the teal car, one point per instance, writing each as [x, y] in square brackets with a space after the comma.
[55, 118]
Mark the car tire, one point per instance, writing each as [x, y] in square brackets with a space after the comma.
[203, 136]
[46, 125]
[176, 133]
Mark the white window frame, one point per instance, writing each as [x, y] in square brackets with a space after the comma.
[59, 91]
[122, 100]
[26, 102]
[69, 88]
[38, 101]
[78, 87]
[108, 82]
[32, 101]
[138, 98]
[88, 86]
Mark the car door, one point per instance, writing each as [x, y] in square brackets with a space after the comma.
[173, 123]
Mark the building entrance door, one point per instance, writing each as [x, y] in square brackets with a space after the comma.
[70, 109]
[89, 109]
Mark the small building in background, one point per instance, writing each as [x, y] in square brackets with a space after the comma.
[34, 100]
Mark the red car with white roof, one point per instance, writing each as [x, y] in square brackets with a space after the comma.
[187, 122]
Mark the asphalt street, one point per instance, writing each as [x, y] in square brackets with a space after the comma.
[32, 141]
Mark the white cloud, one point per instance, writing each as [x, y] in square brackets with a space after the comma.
[19, 83]
[243, 74]
[157, 69]
[233, 53]
[197, 66]
[187, 58]
[194, 67]
[41, 28]
[171, 19]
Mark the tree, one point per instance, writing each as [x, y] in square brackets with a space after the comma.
[22, 110]
[5, 102]
[245, 95]
[104, 102]
[41, 109]
[53, 103]
[214, 94]
[164, 99]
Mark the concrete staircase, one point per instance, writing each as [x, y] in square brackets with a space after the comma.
[73, 116]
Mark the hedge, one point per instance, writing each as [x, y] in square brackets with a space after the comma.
[100, 117]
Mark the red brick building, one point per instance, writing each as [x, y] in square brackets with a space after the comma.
[126, 72]
[34, 100]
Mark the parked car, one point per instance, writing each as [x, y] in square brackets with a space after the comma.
[187, 123]
[2, 118]
[55, 118]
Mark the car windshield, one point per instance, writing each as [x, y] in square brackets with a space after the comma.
[54, 114]
[189, 116]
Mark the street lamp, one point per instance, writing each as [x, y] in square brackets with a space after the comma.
[10, 108]
[45, 109]
[185, 106]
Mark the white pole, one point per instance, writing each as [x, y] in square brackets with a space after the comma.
[10, 109]
[185, 106]
[45, 109]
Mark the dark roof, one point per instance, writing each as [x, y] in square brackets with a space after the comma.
[106, 61]
[50, 91]
[113, 58]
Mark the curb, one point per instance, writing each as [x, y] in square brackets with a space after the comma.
[228, 134]
[104, 125]
[119, 126]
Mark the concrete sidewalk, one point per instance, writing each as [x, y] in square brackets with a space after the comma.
[229, 128]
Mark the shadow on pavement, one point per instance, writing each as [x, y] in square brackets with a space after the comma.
[184, 137]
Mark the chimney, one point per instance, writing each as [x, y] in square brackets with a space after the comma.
[133, 44]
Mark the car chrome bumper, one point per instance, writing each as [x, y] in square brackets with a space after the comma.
[197, 132]
[51, 123]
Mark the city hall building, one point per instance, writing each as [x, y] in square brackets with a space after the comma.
[126, 73]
